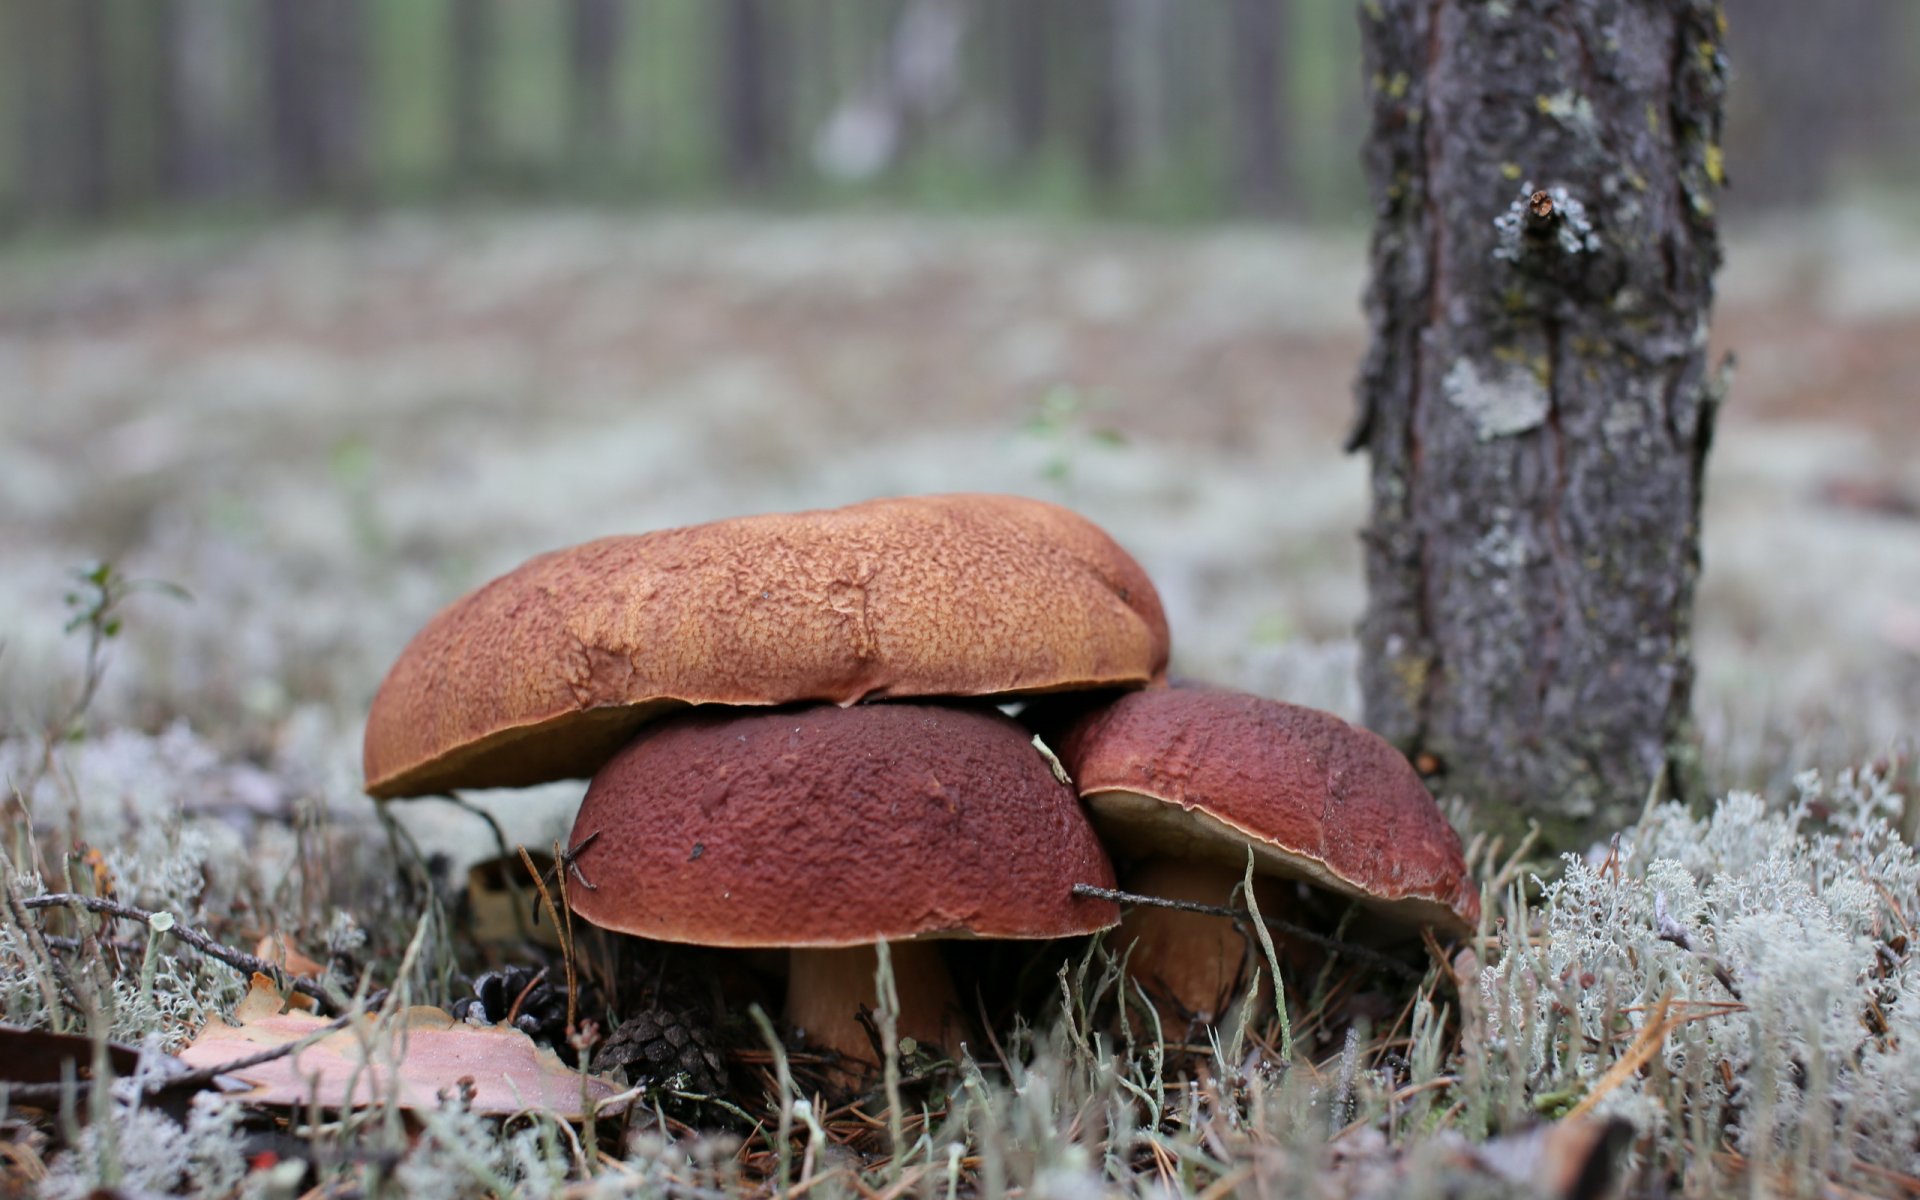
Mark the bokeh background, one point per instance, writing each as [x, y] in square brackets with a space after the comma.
[327, 310]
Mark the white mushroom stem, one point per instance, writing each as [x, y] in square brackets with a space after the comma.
[1193, 965]
[827, 988]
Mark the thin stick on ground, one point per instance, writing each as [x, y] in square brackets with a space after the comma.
[239, 960]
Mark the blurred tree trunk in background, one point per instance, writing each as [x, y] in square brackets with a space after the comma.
[1826, 92]
[196, 95]
[1095, 30]
[172, 121]
[1145, 107]
[594, 31]
[910, 79]
[316, 96]
[470, 115]
[1536, 400]
[1023, 26]
[1259, 139]
[1144, 29]
[748, 67]
[87, 138]
[58, 80]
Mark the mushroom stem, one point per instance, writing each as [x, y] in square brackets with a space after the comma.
[826, 989]
[1192, 965]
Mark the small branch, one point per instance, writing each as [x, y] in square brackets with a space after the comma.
[1359, 954]
[239, 960]
[1541, 213]
[1543, 225]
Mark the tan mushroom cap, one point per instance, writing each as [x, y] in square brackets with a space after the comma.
[547, 671]
[834, 827]
[1204, 772]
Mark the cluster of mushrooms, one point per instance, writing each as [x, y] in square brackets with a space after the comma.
[795, 731]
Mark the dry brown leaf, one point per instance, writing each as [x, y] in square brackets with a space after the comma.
[411, 1058]
[276, 949]
[262, 1000]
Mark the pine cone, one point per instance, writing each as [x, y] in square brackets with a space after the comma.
[542, 1013]
[668, 1048]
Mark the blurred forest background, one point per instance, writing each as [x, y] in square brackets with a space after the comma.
[1117, 107]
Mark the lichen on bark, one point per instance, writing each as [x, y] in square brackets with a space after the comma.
[1536, 399]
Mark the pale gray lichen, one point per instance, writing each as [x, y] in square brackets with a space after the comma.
[144, 1152]
[1500, 405]
[1775, 942]
[1570, 109]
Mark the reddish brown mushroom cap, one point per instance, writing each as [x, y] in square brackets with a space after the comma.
[545, 672]
[826, 827]
[1203, 772]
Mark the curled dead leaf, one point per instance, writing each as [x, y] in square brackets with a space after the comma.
[278, 950]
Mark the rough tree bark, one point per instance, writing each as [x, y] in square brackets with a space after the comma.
[1536, 400]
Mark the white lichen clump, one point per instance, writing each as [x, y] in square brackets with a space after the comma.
[1775, 948]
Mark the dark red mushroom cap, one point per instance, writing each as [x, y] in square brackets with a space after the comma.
[545, 672]
[1205, 772]
[826, 826]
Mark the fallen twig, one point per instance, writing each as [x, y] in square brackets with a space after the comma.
[239, 960]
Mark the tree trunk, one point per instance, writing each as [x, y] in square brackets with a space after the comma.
[1144, 30]
[1096, 28]
[470, 41]
[1830, 70]
[198, 96]
[1027, 91]
[594, 32]
[1259, 138]
[749, 133]
[92, 104]
[912, 77]
[1536, 399]
[314, 65]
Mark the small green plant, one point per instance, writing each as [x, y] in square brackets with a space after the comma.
[1063, 422]
[95, 602]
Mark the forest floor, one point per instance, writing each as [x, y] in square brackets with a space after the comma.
[324, 430]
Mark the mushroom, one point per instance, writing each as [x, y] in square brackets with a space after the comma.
[825, 830]
[545, 672]
[1184, 780]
